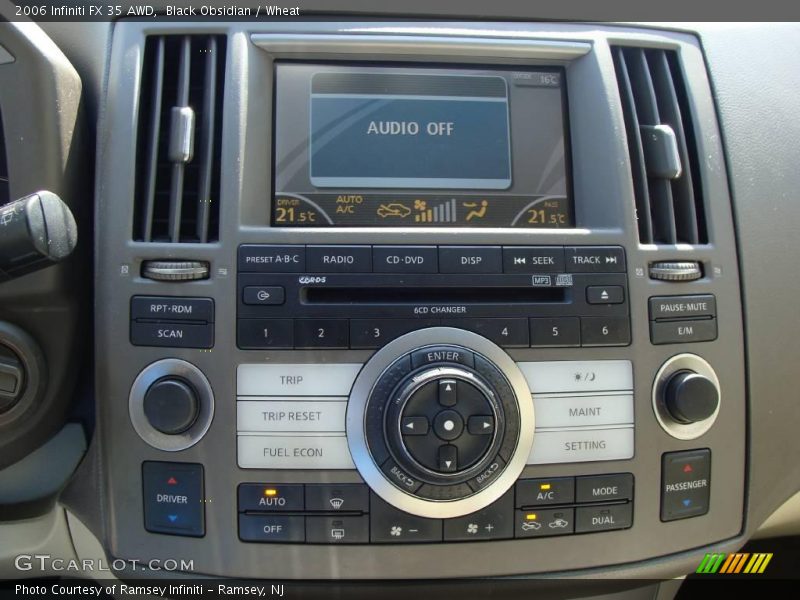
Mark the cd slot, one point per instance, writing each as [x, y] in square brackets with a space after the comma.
[433, 295]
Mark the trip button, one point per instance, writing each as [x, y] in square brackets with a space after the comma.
[339, 259]
[389, 525]
[470, 259]
[270, 497]
[543, 522]
[604, 488]
[541, 492]
[495, 522]
[350, 497]
[685, 484]
[271, 528]
[603, 517]
[405, 259]
[595, 259]
[173, 498]
[337, 530]
[605, 331]
[533, 259]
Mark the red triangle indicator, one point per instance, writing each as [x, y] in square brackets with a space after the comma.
[687, 468]
[172, 481]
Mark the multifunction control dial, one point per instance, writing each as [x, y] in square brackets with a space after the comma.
[440, 422]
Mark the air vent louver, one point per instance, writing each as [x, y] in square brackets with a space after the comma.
[179, 139]
[5, 193]
[663, 154]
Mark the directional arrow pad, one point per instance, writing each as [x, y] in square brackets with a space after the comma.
[414, 426]
[448, 458]
[447, 392]
[481, 425]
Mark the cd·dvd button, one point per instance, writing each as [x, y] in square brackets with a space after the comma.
[405, 259]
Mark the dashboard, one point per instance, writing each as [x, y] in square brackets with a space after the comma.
[351, 296]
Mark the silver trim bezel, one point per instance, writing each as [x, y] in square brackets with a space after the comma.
[682, 362]
[152, 373]
[356, 433]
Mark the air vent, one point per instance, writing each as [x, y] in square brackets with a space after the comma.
[5, 192]
[663, 152]
[179, 139]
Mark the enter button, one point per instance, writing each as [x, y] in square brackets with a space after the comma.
[603, 488]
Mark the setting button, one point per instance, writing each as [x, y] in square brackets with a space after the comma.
[173, 498]
[541, 492]
[405, 259]
[685, 484]
[470, 259]
[448, 425]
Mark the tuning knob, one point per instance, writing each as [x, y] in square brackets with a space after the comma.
[690, 397]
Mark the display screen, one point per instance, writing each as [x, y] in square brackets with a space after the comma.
[412, 147]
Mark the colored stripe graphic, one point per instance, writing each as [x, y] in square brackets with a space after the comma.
[739, 562]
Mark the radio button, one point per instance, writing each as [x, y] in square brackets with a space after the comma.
[332, 379]
[295, 415]
[554, 377]
[533, 259]
[321, 333]
[595, 259]
[268, 497]
[260, 258]
[405, 259]
[293, 452]
[271, 528]
[374, 333]
[339, 259]
[263, 295]
[605, 331]
[265, 334]
[470, 259]
[555, 332]
[509, 333]
[581, 445]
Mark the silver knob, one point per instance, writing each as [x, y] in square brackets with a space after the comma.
[686, 270]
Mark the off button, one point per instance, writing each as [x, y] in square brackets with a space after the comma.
[405, 259]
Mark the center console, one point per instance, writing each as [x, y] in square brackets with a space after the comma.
[369, 296]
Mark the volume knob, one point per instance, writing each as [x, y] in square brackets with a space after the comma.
[690, 397]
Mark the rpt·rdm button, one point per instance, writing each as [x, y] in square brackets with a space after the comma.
[296, 379]
[291, 415]
[293, 452]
